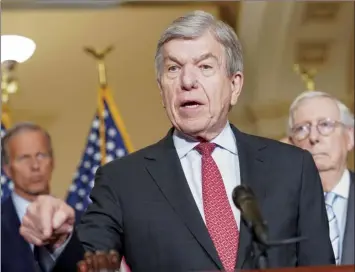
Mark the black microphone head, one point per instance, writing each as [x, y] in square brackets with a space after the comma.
[240, 194]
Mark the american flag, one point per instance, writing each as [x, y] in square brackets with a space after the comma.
[106, 128]
[6, 183]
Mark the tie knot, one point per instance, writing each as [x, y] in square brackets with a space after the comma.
[205, 148]
[330, 198]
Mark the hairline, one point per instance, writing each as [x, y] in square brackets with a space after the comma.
[344, 111]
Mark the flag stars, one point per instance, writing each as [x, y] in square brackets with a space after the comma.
[110, 146]
[81, 192]
[95, 123]
[3, 179]
[90, 150]
[94, 169]
[97, 156]
[72, 188]
[79, 206]
[109, 158]
[84, 178]
[120, 152]
[92, 137]
[112, 132]
[87, 164]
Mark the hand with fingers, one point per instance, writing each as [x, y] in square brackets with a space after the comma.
[48, 222]
[100, 261]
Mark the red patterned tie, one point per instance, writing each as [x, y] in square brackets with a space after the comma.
[219, 217]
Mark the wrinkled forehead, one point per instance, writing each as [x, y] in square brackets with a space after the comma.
[192, 50]
[315, 109]
[28, 140]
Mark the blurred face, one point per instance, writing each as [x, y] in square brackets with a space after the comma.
[197, 93]
[329, 151]
[30, 164]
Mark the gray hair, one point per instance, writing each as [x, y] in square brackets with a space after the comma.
[346, 116]
[193, 25]
[17, 129]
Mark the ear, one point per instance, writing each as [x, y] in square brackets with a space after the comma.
[236, 87]
[6, 168]
[350, 142]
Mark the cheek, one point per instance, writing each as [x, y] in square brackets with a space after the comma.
[302, 144]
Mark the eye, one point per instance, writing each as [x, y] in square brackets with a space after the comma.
[41, 155]
[173, 68]
[326, 124]
[205, 67]
[300, 129]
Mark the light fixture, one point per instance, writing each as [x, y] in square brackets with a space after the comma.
[14, 49]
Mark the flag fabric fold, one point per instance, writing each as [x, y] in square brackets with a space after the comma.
[6, 183]
[107, 140]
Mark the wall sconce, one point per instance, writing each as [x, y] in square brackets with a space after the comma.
[14, 49]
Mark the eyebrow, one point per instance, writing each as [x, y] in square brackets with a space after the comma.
[196, 60]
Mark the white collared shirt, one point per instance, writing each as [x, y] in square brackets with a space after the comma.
[226, 158]
[20, 204]
[340, 206]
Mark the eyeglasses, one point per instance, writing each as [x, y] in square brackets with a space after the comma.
[324, 127]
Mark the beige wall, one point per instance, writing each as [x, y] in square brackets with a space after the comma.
[59, 83]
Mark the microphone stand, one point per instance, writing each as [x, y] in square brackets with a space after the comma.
[260, 247]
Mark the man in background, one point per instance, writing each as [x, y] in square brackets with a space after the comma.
[324, 126]
[27, 159]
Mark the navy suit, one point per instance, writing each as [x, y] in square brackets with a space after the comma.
[16, 253]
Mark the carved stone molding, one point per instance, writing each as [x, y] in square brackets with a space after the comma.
[321, 11]
[312, 52]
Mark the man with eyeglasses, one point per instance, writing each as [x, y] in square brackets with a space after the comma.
[27, 159]
[324, 126]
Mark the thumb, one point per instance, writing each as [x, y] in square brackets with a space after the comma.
[61, 216]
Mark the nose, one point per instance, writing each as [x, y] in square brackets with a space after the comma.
[313, 135]
[188, 79]
[35, 164]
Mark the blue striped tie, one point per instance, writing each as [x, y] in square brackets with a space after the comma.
[333, 224]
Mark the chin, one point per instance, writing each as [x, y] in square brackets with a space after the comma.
[322, 166]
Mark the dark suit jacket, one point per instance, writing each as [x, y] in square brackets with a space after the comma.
[16, 253]
[349, 237]
[143, 207]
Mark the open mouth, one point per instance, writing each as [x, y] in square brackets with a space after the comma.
[190, 104]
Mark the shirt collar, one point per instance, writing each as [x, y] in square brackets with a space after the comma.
[21, 205]
[184, 144]
[343, 187]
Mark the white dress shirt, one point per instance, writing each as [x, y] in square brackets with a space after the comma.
[340, 206]
[226, 157]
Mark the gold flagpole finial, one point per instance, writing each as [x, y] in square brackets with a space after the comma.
[100, 58]
[307, 76]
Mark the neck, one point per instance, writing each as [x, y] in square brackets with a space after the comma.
[331, 178]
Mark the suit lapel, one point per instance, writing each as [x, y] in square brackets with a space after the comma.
[18, 243]
[348, 240]
[165, 168]
[253, 172]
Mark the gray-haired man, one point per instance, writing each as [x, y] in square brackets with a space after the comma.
[169, 206]
[324, 126]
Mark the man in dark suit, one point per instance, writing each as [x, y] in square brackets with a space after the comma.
[27, 159]
[324, 126]
[169, 207]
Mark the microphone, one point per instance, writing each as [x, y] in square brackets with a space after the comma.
[244, 199]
